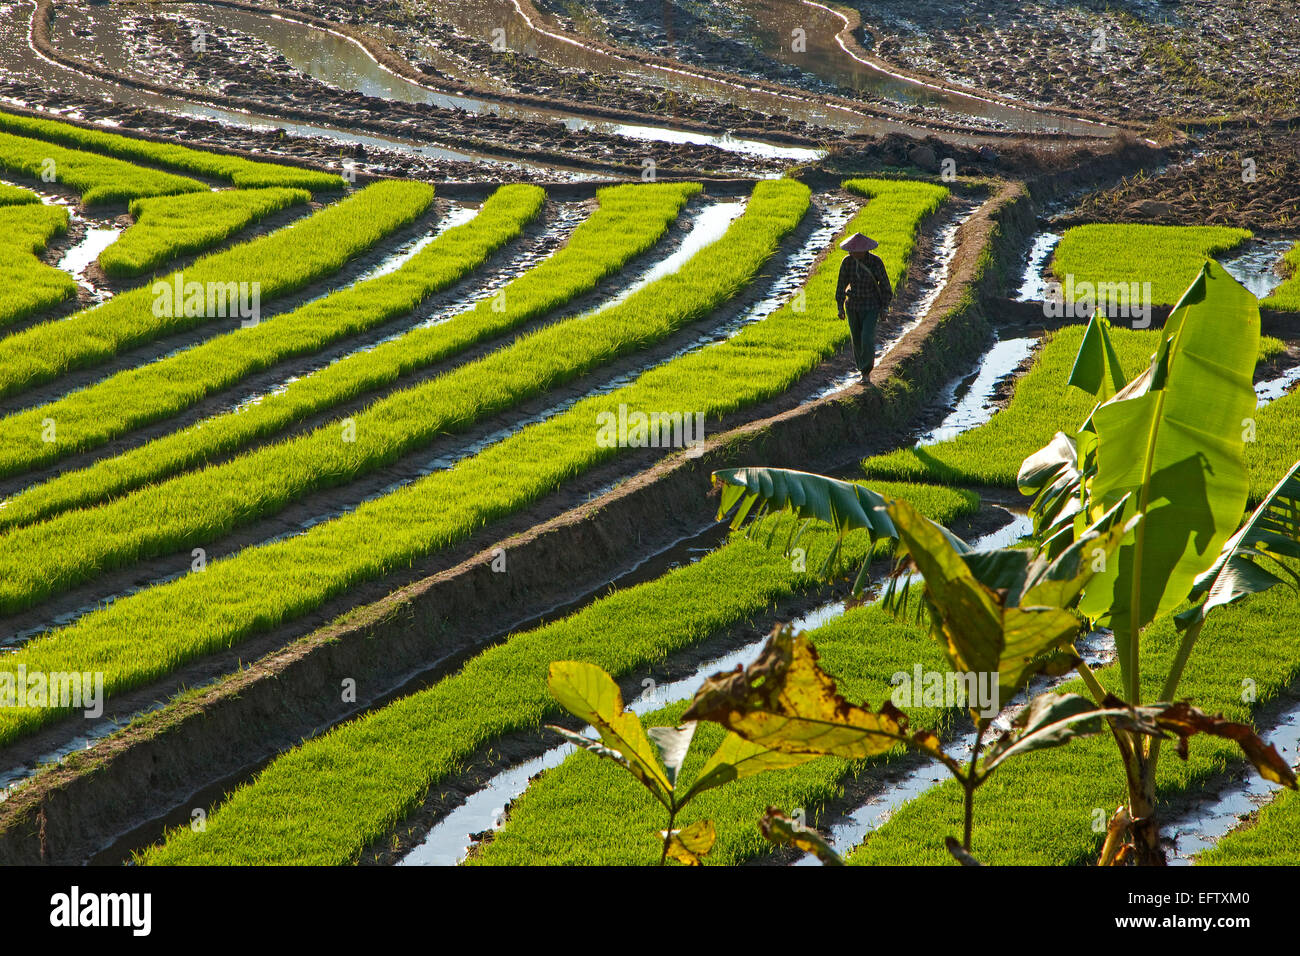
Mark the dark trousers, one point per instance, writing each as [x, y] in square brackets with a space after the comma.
[862, 327]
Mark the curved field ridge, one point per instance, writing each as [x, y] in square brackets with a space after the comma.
[279, 263]
[1168, 257]
[98, 413]
[167, 227]
[629, 221]
[198, 507]
[28, 285]
[245, 173]
[1040, 809]
[1043, 405]
[144, 636]
[309, 807]
[99, 179]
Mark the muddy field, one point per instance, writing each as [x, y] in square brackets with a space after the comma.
[1147, 59]
[1249, 179]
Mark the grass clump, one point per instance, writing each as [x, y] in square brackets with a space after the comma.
[1169, 257]
[99, 179]
[244, 173]
[167, 227]
[28, 285]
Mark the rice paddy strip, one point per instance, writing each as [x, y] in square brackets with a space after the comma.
[198, 507]
[98, 413]
[1167, 257]
[311, 806]
[278, 264]
[629, 222]
[1041, 809]
[16, 196]
[99, 179]
[167, 227]
[28, 285]
[1268, 840]
[245, 173]
[588, 812]
[1043, 405]
[150, 633]
[1286, 297]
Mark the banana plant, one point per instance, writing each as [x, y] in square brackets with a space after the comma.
[1171, 442]
[1005, 613]
[1161, 456]
[654, 756]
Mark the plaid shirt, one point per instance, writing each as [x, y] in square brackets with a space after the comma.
[864, 284]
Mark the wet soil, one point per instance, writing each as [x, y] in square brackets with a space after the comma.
[1148, 59]
[178, 53]
[1245, 177]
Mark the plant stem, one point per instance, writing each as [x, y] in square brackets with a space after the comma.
[668, 834]
[970, 783]
[1171, 683]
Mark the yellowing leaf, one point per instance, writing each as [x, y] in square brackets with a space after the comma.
[590, 694]
[689, 844]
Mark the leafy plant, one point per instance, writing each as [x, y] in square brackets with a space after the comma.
[1171, 442]
[655, 757]
[1151, 487]
[1002, 612]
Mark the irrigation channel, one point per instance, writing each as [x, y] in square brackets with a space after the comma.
[86, 238]
[1213, 813]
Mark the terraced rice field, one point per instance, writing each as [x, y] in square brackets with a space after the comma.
[319, 478]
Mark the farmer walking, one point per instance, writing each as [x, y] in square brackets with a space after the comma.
[861, 294]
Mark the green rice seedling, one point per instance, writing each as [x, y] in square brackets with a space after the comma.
[414, 743]
[167, 227]
[1167, 257]
[1061, 799]
[16, 196]
[196, 507]
[145, 635]
[99, 179]
[630, 220]
[1286, 297]
[278, 264]
[244, 173]
[28, 285]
